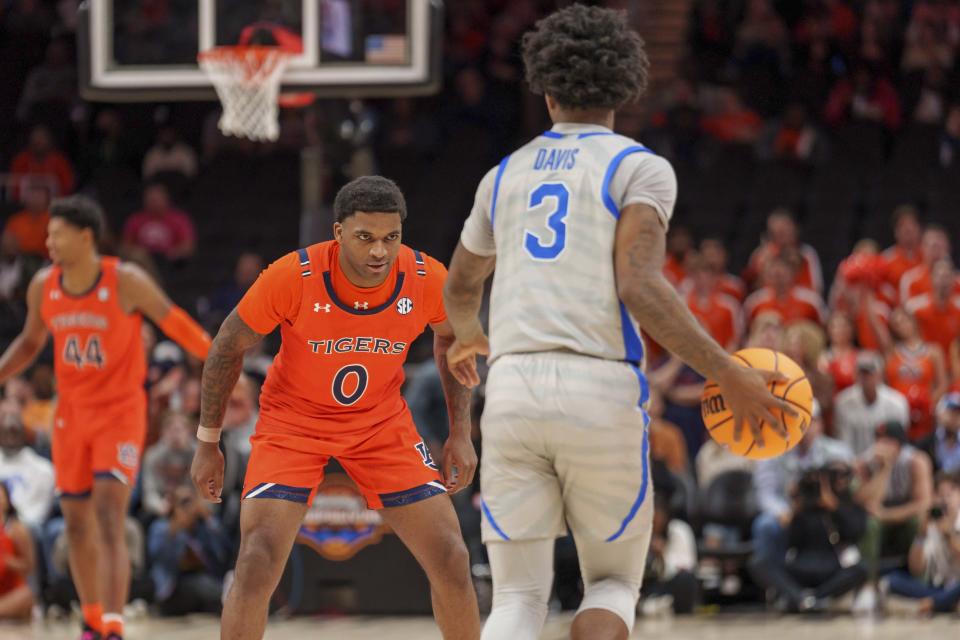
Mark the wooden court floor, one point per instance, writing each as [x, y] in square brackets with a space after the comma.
[723, 627]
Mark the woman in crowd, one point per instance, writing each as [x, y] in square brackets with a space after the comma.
[16, 562]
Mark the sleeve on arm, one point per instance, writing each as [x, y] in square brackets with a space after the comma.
[477, 235]
[274, 297]
[644, 178]
[433, 291]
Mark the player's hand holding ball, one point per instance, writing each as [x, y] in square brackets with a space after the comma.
[206, 471]
[769, 393]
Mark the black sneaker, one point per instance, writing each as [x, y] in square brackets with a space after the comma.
[90, 634]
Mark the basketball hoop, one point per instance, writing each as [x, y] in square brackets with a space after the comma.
[247, 81]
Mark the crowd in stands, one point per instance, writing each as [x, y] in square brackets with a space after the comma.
[866, 508]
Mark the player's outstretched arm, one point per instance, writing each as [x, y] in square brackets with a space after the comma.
[25, 347]
[458, 451]
[220, 374]
[638, 259]
[462, 297]
[139, 291]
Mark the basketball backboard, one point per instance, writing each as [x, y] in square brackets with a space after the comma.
[146, 50]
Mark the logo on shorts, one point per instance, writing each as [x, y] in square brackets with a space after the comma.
[127, 454]
[339, 524]
[404, 306]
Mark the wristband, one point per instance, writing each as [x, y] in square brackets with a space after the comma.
[206, 434]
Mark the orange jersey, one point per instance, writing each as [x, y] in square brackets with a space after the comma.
[809, 274]
[343, 347]
[940, 325]
[842, 368]
[9, 579]
[917, 282]
[673, 270]
[799, 304]
[99, 356]
[898, 262]
[727, 284]
[719, 314]
[912, 372]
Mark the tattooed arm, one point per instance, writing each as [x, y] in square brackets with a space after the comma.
[220, 374]
[458, 451]
[463, 297]
[638, 259]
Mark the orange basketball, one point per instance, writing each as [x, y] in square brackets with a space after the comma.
[797, 391]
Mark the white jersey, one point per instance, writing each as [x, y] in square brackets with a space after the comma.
[549, 213]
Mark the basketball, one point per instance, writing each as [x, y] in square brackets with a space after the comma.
[796, 390]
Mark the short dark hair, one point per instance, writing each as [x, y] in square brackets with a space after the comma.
[81, 212]
[586, 58]
[372, 194]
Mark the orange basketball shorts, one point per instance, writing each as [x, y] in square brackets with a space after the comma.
[389, 462]
[98, 441]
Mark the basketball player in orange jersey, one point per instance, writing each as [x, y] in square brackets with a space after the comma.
[348, 310]
[93, 306]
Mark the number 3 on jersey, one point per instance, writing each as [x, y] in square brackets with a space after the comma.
[558, 192]
[90, 355]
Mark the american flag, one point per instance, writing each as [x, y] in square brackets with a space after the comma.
[389, 49]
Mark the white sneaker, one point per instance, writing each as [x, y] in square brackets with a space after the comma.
[730, 585]
[865, 603]
[655, 606]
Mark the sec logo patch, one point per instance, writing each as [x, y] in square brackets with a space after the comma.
[127, 454]
[404, 306]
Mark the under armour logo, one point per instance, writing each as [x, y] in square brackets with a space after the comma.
[317, 307]
[361, 305]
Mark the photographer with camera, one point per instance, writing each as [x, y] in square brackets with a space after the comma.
[190, 554]
[934, 562]
[808, 521]
[822, 559]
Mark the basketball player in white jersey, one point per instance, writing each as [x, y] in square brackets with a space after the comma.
[576, 222]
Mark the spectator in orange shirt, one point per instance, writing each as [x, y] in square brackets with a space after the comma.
[40, 158]
[863, 266]
[905, 253]
[934, 246]
[733, 122]
[29, 226]
[856, 290]
[781, 295]
[840, 359]
[938, 312]
[679, 245]
[782, 237]
[915, 368]
[714, 254]
[717, 312]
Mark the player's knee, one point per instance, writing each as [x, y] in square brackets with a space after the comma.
[617, 595]
[450, 562]
[111, 523]
[258, 563]
[77, 529]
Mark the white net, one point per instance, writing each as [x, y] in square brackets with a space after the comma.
[247, 81]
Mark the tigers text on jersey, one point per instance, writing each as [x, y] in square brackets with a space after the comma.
[549, 213]
[99, 356]
[341, 359]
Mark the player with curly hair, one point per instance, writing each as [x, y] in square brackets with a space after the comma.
[576, 221]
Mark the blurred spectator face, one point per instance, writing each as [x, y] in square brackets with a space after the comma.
[249, 266]
[868, 372]
[42, 382]
[704, 279]
[907, 230]
[935, 245]
[778, 274]
[766, 331]
[240, 405]
[840, 330]
[12, 437]
[37, 199]
[714, 254]
[953, 122]
[176, 431]
[679, 242]
[942, 277]
[804, 342]
[948, 413]
[41, 143]
[19, 390]
[902, 324]
[948, 493]
[156, 199]
[781, 229]
[470, 86]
